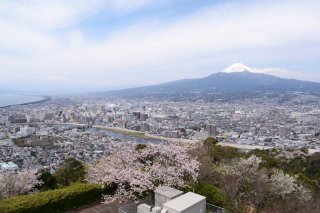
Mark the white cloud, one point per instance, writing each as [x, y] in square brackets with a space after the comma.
[275, 71]
[163, 48]
[123, 6]
[43, 15]
[280, 72]
[55, 14]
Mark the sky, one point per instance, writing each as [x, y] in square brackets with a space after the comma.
[92, 45]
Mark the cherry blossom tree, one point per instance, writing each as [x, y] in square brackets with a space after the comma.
[14, 183]
[136, 170]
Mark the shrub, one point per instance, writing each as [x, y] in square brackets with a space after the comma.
[109, 188]
[59, 200]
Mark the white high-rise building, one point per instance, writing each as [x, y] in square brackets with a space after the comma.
[27, 131]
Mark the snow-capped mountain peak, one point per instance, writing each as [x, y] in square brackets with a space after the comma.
[237, 67]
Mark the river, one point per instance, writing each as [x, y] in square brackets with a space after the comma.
[125, 137]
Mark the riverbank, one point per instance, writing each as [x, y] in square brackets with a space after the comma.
[42, 100]
[143, 135]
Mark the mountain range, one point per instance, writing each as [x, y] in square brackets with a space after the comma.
[235, 81]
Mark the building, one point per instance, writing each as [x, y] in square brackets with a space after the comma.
[283, 132]
[8, 166]
[27, 131]
[170, 200]
[136, 115]
[15, 119]
[186, 203]
[143, 116]
[211, 130]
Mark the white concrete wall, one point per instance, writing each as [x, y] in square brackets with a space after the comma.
[144, 208]
[160, 199]
[199, 208]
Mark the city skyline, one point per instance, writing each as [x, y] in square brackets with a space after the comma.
[97, 45]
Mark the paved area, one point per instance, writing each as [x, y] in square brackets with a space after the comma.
[99, 208]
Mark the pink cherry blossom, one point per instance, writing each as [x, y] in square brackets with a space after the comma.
[137, 171]
[14, 183]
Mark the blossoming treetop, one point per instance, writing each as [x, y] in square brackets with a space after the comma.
[139, 169]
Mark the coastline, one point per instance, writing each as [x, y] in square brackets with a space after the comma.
[42, 100]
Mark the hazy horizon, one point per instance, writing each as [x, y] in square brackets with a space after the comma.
[82, 46]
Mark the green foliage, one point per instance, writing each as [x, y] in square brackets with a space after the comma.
[210, 156]
[210, 191]
[59, 200]
[220, 153]
[295, 166]
[140, 146]
[109, 189]
[313, 184]
[210, 142]
[48, 180]
[313, 166]
[70, 171]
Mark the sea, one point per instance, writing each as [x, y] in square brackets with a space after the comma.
[14, 99]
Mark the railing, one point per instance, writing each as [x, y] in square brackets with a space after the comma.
[214, 209]
[132, 207]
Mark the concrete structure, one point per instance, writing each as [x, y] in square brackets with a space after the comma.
[165, 194]
[169, 200]
[144, 208]
[187, 203]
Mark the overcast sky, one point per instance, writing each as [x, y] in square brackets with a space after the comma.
[73, 45]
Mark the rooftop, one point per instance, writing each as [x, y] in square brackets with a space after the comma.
[184, 202]
[8, 165]
[168, 192]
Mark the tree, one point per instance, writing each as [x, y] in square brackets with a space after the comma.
[48, 180]
[70, 171]
[14, 183]
[223, 153]
[244, 183]
[137, 171]
[210, 142]
[216, 152]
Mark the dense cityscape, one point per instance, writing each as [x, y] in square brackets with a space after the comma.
[43, 135]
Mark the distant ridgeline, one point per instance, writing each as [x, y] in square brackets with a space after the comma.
[225, 85]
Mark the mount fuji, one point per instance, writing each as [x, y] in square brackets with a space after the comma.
[237, 80]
